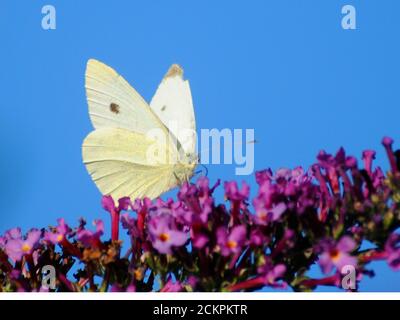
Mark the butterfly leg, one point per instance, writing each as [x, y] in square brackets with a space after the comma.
[177, 179]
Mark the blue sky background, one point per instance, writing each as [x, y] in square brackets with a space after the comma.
[285, 68]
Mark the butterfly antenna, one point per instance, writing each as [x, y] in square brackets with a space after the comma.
[205, 169]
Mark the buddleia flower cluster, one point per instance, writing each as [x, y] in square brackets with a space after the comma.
[322, 216]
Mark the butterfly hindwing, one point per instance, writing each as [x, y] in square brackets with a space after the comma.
[173, 104]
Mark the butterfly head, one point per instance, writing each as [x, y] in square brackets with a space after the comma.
[189, 159]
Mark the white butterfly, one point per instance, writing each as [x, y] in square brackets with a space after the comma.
[116, 152]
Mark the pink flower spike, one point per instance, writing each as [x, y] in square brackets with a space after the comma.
[387, 143]
[109, 205]
[368, 156]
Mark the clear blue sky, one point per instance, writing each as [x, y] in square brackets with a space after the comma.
[285, 68]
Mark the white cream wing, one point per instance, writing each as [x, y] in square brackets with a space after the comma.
[173, 104]
[113, 102]
[117, 160]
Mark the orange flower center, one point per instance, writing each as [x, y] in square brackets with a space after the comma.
[335, 254]
[26, 247]
[231, 244]
[264, 216]
[164, 237]
[138, 274]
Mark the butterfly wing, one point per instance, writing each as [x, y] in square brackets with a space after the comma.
[172, 103]
[114, 103]
[118, 162]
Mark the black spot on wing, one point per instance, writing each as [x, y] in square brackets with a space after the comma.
[114, 108]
